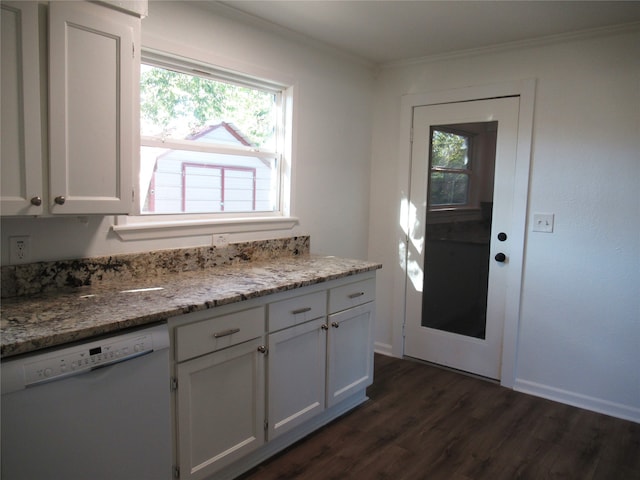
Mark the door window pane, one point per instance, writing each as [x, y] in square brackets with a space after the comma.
[456, 264]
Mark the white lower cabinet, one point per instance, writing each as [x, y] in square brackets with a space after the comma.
[220, 408]
[350, 345]
[254, 377]
[350, 352]
[296, 375]
[220, 396]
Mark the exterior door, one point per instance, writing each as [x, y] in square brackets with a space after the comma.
[462, 188]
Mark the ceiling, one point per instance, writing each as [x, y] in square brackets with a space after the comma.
[387, 31]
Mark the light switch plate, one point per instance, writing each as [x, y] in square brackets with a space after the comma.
[543, 222]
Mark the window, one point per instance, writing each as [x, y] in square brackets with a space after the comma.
[211, 141]
[449, 168]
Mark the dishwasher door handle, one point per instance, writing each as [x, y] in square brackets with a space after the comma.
[88, 369]
[85, 357]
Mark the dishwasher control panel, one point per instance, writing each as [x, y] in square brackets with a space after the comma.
[86, 357]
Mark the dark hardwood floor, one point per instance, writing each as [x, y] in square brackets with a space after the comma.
[423, 422]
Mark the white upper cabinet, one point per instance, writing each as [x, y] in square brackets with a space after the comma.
[94, 70]
[93, 80]
[21, 151]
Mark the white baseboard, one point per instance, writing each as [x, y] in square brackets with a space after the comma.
[383, 349]
[594, 404]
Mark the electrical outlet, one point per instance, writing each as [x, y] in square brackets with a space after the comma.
[543, 222]
[19, 249]
[220, 240]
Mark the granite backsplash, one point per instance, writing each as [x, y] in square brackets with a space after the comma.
[34, 278]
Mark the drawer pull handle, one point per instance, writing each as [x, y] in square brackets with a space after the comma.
[226, 333]
[356, 295]
[301, 310]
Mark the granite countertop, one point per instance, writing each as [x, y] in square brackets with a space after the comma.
[67, 315]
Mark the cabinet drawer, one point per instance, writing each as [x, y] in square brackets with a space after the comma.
[297, 310]
[218, 332]
[351, 295]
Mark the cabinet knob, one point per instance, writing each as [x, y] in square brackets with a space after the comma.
[60, 200]
[262, 349]
[37, 201]
[324, 326]
[335, 324]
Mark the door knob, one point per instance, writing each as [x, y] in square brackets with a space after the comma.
[500, 257]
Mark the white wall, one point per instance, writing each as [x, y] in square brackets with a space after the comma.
[579, 331]
[332, 145]
[579, 328]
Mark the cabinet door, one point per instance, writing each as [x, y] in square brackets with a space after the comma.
[297, 358]
[350, 352]
[93, 81]
[21, 151]
[220, 408]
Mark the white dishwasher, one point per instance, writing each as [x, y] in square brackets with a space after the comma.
[95, 410]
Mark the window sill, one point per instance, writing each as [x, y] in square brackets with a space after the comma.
[455, 214]
[149, 228]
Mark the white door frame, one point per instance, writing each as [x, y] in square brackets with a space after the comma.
[525, 89]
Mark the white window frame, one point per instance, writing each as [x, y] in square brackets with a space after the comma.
[470, 201]
[140, 226]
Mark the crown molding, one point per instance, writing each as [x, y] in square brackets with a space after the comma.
[518, 45]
